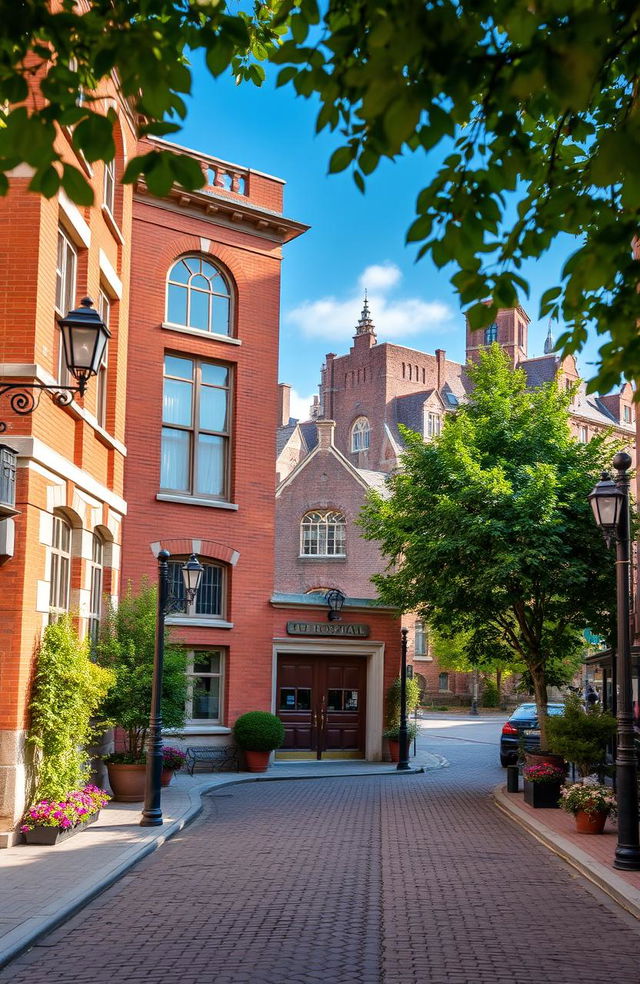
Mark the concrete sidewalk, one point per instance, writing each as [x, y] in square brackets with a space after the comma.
[40, 887]
[592, 855]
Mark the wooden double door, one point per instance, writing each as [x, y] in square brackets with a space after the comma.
[321, 702]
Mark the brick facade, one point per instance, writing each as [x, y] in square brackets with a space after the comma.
[70, 463]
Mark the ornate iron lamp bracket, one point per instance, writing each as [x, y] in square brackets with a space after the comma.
[25, 397]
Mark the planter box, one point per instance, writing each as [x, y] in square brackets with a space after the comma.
[542, 795]
[48, 836]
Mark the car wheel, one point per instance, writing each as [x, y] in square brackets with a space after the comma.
[506, 760]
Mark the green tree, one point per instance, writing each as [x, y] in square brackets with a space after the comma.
[126, 647]
[68, 690]
[452, 653]
[529, 111]
[488, 530]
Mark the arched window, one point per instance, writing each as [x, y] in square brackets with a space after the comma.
[491, 334]
[95, 595]
[198, 296]
[360, 434]
[322, 534]
[60, 572]
[210, 599]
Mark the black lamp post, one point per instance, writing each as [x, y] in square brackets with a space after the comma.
[191, 574]
[403, 731]
[335, 600]
[84, 339]
[610, 503]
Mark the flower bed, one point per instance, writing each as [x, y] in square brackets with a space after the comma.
[49, 821]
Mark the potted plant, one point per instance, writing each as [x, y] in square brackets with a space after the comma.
[172, 760]
[50, 821]
[542, 785]
[392, 714]
[258, 733]
[591, 803]
[581, 736]
[126, 646]
[393, 737]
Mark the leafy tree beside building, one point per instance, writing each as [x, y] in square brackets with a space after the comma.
[488, 532]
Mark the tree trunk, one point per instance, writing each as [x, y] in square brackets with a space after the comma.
[499, 685]
[538, 677]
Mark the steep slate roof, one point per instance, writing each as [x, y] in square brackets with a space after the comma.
[310, 434]
[282, 436]
[376, 480]
[540, 370]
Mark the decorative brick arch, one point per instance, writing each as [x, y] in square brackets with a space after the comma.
[211, 549]
[183, 245]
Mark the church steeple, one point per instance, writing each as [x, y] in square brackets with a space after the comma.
[549, 342]
[365, 325]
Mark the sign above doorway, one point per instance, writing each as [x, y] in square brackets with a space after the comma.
[349, 629]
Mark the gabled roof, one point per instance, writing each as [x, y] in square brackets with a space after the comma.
[340, 458]
[283, 434]
[540, 370]
[310, 433]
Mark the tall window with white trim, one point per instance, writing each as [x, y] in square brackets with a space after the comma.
[196, 427]
[360, 434]
[323, 534]
[109, 188]
[66, 269]
[198, 296]
[204, 690]
[421, 639]
[60, 570]
[95, 595]
[434, 424]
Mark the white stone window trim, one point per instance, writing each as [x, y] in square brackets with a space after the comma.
[75, 220]
[198, 729]
[109, 275]
[212, 335]
[199, 621]
[194, 500]
[113, 226]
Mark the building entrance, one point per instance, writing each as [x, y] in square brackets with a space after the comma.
[321, 702]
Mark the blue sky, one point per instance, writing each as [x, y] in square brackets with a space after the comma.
[354, 240]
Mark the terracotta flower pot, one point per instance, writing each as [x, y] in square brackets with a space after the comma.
[256, 761]
[166, 777]
[127, 782]
[590, 823]
[394, 749]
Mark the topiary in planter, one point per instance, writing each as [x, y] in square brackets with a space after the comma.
[258, 731]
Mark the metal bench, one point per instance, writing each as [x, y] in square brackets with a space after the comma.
[220, 758]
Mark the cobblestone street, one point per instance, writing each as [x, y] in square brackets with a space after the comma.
[389, 880]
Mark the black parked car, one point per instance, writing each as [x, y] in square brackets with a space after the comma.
[523, 724]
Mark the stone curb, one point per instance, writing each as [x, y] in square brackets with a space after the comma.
[14, 943]
[605, 878]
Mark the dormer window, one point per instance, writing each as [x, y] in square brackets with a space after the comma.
[434, 424]
[360, 434]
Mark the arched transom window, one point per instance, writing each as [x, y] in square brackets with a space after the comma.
[198, 296]
[360, 434]
[322, 534]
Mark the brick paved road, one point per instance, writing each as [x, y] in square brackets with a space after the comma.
[407, 880]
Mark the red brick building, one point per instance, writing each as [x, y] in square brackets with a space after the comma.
[200, 425]
[375, 388]
[331, 676]
[61, 552]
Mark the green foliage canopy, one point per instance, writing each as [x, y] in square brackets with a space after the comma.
[68, 690]
[529, 110]
[126, 647]
[488, 531]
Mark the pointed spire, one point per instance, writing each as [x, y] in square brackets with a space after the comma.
[365, 325]
[549, 342]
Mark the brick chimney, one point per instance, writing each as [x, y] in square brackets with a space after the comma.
[325, 430]
[284, 404]
[441, 357]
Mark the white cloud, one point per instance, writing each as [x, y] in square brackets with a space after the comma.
[380, 276]
[300, 405]
[396, 317]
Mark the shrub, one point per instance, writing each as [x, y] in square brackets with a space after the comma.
[394, 733]
[68, 690]
[258, 731]
[490, 695]
[126, 646]
[392, 702]
[580, 736]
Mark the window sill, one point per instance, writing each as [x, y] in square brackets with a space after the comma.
[193, 620]
[113, 225]
[341, 558]
[198, 729]
[423, 659]
[169, 326]
[192, 500]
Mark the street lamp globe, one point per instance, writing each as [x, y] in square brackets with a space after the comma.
[192, 572]
[84, 337]
[607, 502]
